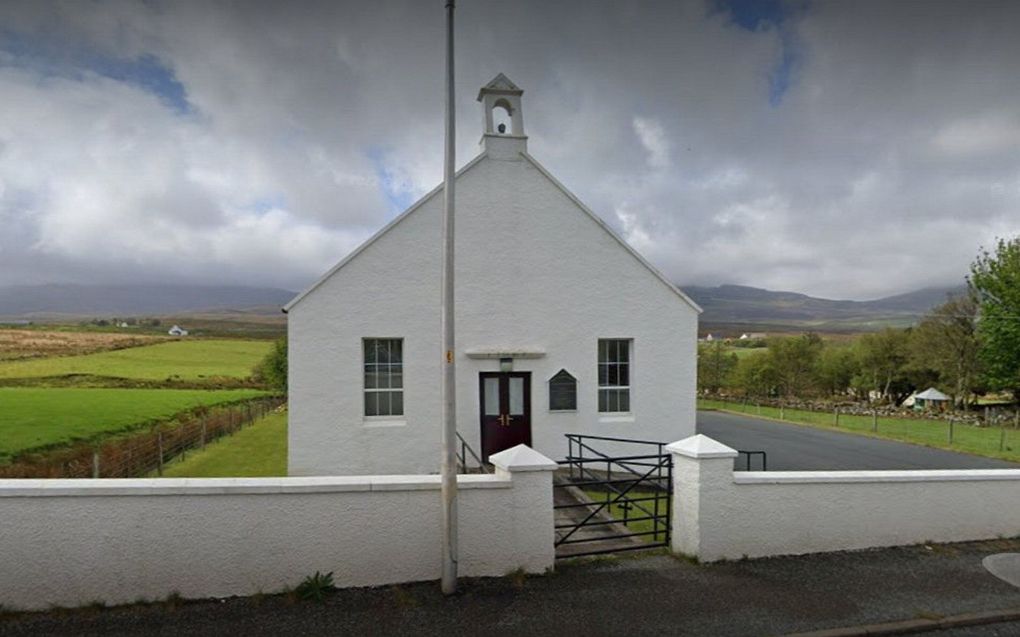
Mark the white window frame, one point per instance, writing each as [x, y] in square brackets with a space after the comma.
[365, 391]
[630, 376]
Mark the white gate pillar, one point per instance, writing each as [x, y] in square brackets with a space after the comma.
[702, 478]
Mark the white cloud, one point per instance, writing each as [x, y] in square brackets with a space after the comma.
[653, 138]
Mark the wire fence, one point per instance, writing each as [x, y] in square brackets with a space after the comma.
[141, 454]
[997, 435]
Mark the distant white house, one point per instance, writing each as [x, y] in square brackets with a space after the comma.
[561, 327]
[753, 336]
[177, 331]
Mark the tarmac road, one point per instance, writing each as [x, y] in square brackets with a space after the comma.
[801, 448]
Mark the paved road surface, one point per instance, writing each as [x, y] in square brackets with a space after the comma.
[799, 448]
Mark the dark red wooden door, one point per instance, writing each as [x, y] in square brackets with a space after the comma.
[506, 410]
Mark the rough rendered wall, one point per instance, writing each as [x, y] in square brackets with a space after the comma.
[72, 542]
[390, 290]
[759, 514]
[533, 271]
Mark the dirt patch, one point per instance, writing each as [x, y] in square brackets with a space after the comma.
[24, 344]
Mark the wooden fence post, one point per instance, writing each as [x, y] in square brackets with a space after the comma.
[159, 446]
[835, 416]
[874, 420]
[95, 462]
[782, 415]
[950, 430]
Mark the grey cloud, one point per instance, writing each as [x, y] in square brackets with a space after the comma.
[893, 155]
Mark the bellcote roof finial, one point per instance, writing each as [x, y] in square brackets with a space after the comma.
[501, 85]
[502, 93]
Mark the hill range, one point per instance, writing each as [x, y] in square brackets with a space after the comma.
[726, 307]
[733, 308]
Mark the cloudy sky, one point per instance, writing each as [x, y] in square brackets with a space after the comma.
[843, 149]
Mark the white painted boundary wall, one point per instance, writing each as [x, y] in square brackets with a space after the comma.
[722, 514]
[71, 542]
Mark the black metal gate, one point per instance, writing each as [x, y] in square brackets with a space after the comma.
[611, 503]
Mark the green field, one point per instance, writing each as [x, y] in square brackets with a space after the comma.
[993, 442]
[33, 417]
[256, 451]
[184, 360]
[741, 352]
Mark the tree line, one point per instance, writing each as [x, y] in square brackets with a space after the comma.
[966, 347]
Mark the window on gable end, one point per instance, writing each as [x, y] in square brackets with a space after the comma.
[614, 375]
[384, 376]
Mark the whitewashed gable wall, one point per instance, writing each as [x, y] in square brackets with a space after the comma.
[533, 271]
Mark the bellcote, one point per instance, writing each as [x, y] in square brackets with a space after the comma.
[502, 119]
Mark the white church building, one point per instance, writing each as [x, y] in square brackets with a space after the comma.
[561, 327]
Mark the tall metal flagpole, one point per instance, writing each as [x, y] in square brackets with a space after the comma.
[449, 395]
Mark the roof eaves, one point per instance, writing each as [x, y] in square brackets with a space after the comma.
[612, 233]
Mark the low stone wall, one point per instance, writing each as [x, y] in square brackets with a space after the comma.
[998, 416]
[722, 514]
[72, 542]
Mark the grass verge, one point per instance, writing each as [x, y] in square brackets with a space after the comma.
[620, 513]
[256, 451]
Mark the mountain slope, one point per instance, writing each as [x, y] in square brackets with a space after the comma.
[737, 304]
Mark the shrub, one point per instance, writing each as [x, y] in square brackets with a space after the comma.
[272, 370]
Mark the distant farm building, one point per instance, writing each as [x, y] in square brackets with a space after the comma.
[177, 331]
[930, 398]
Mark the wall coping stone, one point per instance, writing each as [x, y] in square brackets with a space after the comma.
[15, 488]
[824, 477]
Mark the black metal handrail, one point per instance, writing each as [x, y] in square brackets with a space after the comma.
[630, 440]
[748, 454]
[465, 450]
